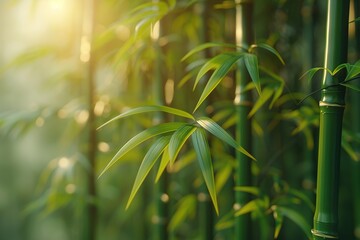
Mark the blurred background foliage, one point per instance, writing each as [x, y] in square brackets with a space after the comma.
[45, 129]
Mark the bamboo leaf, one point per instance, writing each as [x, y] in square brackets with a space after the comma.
[266, 94]
[311, 72]
[248, 207]
[186, 208]
[222, 176]
[178, 139]
[251, 63]
[253, 190]
[204, 46]
[146, 109]
[204, 158]
[163, 163]
[297, 218]
[148, 162]
[355, 20]
[212, 127]
[353, 70]
[268, 48]
[278, 223]
[140, 138]
[215, 63]
[353, 87]
[222, 65]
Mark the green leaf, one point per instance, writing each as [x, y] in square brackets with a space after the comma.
[268, 48]
[311, 72]
[353, 71]
[141, 137]
[266, 94]
[186, 208]
[178, 139]
[297, 218]
[253, 190]
[278, 223]
[209, 125]
[222, 65]
[163, 163]
[148, 162]
[27, 57]
[204, 158]
[251, 63]
[248, 207]
[355, 20]
[353, 87]
[146, 109]
[204, 46]
[222, 176]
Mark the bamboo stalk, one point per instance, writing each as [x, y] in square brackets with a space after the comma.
[161, 197]
[331, 113]
[89, 60]
[243, 103]
[206, 215]
[355, 119]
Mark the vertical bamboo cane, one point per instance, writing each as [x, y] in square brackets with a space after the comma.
[243, 102]
[161, 197]
[88, 58]
[355, 117]
[205, 205]
[331, 113]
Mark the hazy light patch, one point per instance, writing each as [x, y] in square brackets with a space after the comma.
[70, 188]
[169, 91]
[103, 147]
[40, 121]
[64, 162]
[82, 117]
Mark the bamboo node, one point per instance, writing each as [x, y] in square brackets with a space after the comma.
[323, 235]
[325, 104]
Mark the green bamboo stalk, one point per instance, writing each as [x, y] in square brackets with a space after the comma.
[331, 113]
[160, 219]
[355, 126]
[243, 103]
[206, 213]
[89, 60]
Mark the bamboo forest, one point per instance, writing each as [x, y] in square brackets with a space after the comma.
[179, 119]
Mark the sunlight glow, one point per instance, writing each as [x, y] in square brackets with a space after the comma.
[103, 147]
[70, 188]
[85, 49]
[82, 117]
[64, 162]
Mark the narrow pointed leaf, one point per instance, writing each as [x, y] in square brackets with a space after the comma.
[152, 108]
[355, 88]
[186, 208]
[251, 63]
[353, 71]
[297, 218]
[141, 137]
[178, 139]
[278, 223]
[204, 46]
[253, 190]
[163, 163]
[222, 68]
[266, 94]
[270, 49]
[204, 158]
[247, 208]
[148, 162]
[209, 125]
[311, 72]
